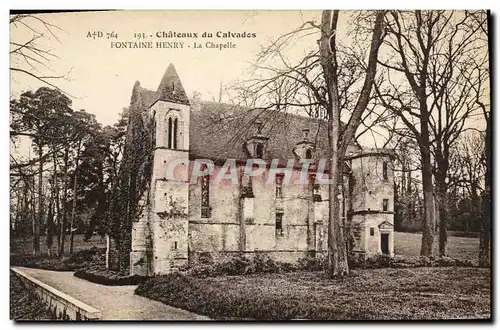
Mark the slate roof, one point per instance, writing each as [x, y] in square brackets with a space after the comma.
[170, 89]
[219, 131]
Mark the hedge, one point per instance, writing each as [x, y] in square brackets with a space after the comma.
[104, 276]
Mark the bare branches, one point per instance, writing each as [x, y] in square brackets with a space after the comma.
[27, 56]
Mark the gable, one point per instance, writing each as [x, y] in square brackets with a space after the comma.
[386, 225]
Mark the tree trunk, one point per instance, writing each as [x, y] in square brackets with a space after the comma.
[62, 232]
[337, 254]
[17, 218]
[73, 209]
[443, 213]
[57, 205]
[484, 239]
[428, 190]
[427, 186]
[38, 219]
[50, 226]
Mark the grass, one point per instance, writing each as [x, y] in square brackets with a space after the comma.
[24, 246]
[85, 253]
[383, 294]
[408, 244]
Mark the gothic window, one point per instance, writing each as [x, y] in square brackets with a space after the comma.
[173, 133]
[176, 123]
[385, 204]
[279, 224]
[205, 194]
[169, 134]
[259, 150]
[309, 154]
[384, 171]
[279, 186]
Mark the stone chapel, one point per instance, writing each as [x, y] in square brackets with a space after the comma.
[184, 221]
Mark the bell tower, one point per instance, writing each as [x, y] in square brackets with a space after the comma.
[168, 212]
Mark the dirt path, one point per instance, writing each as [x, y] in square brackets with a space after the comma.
[115, 302]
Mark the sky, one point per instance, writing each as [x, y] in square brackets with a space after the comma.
[100, 78]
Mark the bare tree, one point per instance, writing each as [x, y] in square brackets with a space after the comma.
[27, 56]
[427, 84]
[318, 86]
[482, 67]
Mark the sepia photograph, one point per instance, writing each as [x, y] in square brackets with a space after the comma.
[250, 165]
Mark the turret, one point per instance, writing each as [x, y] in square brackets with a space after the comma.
[372, 206]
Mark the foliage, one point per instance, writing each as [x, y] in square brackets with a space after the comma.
[76, 167]
[132, 180]
[24, 305]
[238, 265]
[261, 263]
[381, 261]
[101, 275]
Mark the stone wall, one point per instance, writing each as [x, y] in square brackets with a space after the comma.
[62, 306]
[255, 223]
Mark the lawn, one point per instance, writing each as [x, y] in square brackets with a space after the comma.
[408, 244]
[24, 246]
[85, 254]
[397, 294]
[387, 294]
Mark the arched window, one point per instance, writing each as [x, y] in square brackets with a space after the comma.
[169, 134]
[176, 123]
[309, 154]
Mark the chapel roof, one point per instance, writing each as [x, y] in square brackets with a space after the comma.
[219, 130]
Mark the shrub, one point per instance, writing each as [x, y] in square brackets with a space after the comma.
[93, 254]
[102, 275]
[238, 265]
[310, 263]
[383, 261]
[262, 263]
[25, 305]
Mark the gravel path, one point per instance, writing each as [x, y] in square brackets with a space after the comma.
[115, 302]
